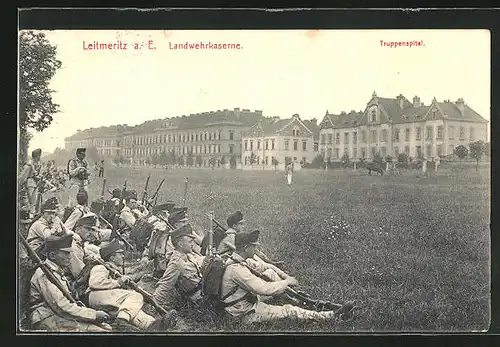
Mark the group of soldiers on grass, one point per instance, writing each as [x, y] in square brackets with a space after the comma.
[81, 277]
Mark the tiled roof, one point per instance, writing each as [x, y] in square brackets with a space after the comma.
[269, 126]
[453, 112]
[313, 126]
[343, 120]
[100, 132]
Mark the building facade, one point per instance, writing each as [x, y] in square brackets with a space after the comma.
[207, 135]
[274, 138]
[389, 126]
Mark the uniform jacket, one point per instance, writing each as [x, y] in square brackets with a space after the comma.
[77, 213]
[227, 243]
[30, 170]
[239, 279]
[47, 300]
[127, 216]
[40, 230]
[74, 165]
[100, 278]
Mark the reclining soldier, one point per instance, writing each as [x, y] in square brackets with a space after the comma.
[50, 309]
[183, 272]
[243, 292]
[105, 292]
[89, 239]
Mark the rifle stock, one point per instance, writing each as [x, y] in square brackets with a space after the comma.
[145, 193]
[157, 190]
[185, 193]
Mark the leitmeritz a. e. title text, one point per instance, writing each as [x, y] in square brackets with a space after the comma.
[96, 45]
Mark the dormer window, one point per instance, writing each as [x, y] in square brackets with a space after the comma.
[374, 115]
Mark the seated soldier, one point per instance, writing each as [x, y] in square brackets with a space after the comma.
[184, 270]
[126, 214]
[50, 309]
[80, 209]
[48, 224]
[159, 215]
[106, 292]
[115, 196]
[88, 238]
[243, 292]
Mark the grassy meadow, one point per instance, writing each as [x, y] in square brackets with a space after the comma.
[411, 250]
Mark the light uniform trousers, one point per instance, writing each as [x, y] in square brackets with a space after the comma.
[289, 178]
[128, 305]
[57, 323]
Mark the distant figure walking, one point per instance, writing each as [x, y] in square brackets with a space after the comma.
[289, 173]
[101, 169]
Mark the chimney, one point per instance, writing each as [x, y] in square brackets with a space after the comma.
[237, 113]
[461, 105]
[416, 101]
[401, 101]
[314, 121]
[343, 113]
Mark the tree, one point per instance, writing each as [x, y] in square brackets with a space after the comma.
[318, 161]
[253, 158]
[461, 152]
[403, 159]
[199, 160]
[163, 159]
[172, 159]
[487, 149]
[190, 158]
[222, 161]
[148, 161]
[180, 160]
[388, 158]
[232, 162]
[37, 66]
[477, 150]
[345, 160]
[275, 162]
[377, 158]
[211, 162]
[155, 159]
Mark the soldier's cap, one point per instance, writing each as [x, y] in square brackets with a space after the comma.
[247, 238]
[36, 153]
[235, 218]
[130, 194]
[50, 205]
[116, 192]
[108, 250]
[88, 221]
[177, 234]
[168, 206]
[178, 215]
[81, 150]
[82, 193]
[58, 243]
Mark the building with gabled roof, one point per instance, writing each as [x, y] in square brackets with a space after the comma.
[280, 139]
[213, 134]
[389, 126]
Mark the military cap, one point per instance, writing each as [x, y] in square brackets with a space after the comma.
[81, 150]
[58, 243]
[245, 239]
[168, 206]
[234, 218]
[50, 205]
[36, 153]
[87, 221]
[116, 193]
[185, 230]
[178, 215]
[111, 248]
[130, 194]
[24, 216]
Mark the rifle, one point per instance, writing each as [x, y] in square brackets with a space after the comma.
[185, 193]
[103, 186]
[145, 193]
[156, 192]
[147, 297]
[258, 253]
[210, 242]
[117, 232]
[122, 196]
[51, 277]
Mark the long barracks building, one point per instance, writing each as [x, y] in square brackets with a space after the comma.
[214, 134]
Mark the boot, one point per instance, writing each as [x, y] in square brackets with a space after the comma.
[165, 322]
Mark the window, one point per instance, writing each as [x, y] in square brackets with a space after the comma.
[396, 151]
[315, 147]
[418, 133]
[258, 144]
[322, 139]
[374, 150]
[204, 148]
[304, 145]
[267, 160]
[323, 152]
[363, 153]
[336, 153]
[429, 133]
[231, 135]
[346, 150]
[440, 132]
[354, 153]
[286, 145]
[192, 137]
[374, 136]
[246, 145]
[374, 115]
[218, 148]
[439, 150]
[451, 132]
[462, 133]
[231, 149]
[251, 145]
[272, 144]
[384, 135]
[295, 145]
[267, 144]
[210, 137]
[337, 138]
[471, 134]
[407, 134]
[429, 151]
[330, 138]
[383, 152]
[363, 136]
[294, 158]
[354, 137]
[407, 150]
[195, 137]
[396, 135]
[218, 134]
[346, 138]
[206, 136]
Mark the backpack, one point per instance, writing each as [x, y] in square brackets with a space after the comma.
[141, 233]
[211, 283]
[67, 212]
[67, 168]
[217, 237]
[81, 283]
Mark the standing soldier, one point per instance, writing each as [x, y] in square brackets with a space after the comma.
[28, 181]
[101, 169]
[78, 174]
[289, 172]
[50, 309]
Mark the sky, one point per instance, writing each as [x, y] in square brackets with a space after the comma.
[278, 72]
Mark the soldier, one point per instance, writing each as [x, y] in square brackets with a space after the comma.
[108, 293]
[101, 169]
[50, 309]
[236, 224]
[28, 181]
[78, 174]
[24, 225]
[126, 214]
[289, 172]
[184, 269]
[242, 291]
[80, 209]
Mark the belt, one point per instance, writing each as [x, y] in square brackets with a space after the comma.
[248, 296]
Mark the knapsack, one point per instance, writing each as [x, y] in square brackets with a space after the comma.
[217, 237]
[67, 212]
[211, 282]
[81, 283]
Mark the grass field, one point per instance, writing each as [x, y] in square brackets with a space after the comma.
[412, 251]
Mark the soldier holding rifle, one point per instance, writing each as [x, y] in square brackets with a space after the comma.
[51, 305]
[78, 170]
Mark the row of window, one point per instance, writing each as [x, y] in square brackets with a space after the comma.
[336, 154]
[184, 137]
[197, 149]
[250, 147]
[396, 136]
[266, 161]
